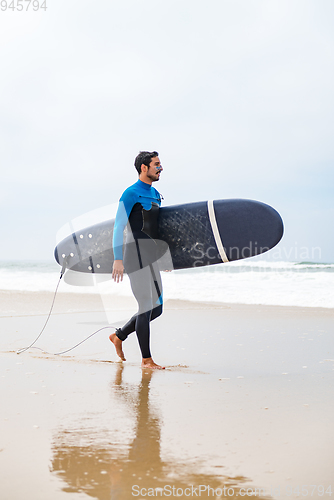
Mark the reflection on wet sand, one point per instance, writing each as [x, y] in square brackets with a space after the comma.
[101, 469]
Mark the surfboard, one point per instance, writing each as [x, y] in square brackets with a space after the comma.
[193, 234]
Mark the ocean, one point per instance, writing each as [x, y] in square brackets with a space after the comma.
[252, 281]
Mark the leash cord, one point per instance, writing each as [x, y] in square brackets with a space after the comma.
[71, 348]
[46, 322]
[20, 351]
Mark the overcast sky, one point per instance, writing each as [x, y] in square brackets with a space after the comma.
[236, 95]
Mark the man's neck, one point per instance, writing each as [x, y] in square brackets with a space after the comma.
[145, 179]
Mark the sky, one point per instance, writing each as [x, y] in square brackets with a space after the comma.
[235, 95]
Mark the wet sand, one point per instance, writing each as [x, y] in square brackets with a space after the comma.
[245, 401]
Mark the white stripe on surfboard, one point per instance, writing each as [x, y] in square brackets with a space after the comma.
[213, 222]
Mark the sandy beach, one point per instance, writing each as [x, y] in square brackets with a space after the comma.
[243, 408]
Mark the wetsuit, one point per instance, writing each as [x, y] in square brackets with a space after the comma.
[138, 211]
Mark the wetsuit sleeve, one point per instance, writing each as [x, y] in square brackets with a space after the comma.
[125, 206]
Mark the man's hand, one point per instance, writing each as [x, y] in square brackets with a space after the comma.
[117, 271]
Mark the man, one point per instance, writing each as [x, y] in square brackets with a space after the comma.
[139, 211]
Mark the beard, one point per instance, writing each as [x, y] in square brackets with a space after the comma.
[153, 177]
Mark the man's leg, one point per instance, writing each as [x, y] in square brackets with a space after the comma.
[147, 288]
[155, 302]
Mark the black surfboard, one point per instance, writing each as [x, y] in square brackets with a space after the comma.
[196, 234]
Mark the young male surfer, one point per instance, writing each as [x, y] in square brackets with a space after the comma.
[139, 210]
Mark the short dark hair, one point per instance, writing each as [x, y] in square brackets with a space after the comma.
[144, 157]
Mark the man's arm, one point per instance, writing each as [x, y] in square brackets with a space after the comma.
[124, 208]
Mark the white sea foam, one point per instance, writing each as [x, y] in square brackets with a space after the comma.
[276, 285]
[246, 282]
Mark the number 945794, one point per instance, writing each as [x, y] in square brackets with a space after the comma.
[21, 5]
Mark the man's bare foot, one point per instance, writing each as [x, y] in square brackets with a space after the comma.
[118, 345]
[149, 363]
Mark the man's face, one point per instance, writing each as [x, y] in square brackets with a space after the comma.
[155, 169]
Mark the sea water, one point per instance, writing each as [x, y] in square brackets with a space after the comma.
[251, 281]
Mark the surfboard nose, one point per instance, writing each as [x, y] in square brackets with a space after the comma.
[247, 227]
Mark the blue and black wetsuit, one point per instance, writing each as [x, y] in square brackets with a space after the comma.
[139, 211]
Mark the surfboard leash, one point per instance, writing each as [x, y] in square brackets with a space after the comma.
[31, 346]
[71, 348]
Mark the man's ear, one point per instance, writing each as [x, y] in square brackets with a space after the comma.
[143, 169]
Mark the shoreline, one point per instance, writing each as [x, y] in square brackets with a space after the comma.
[14, 303]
